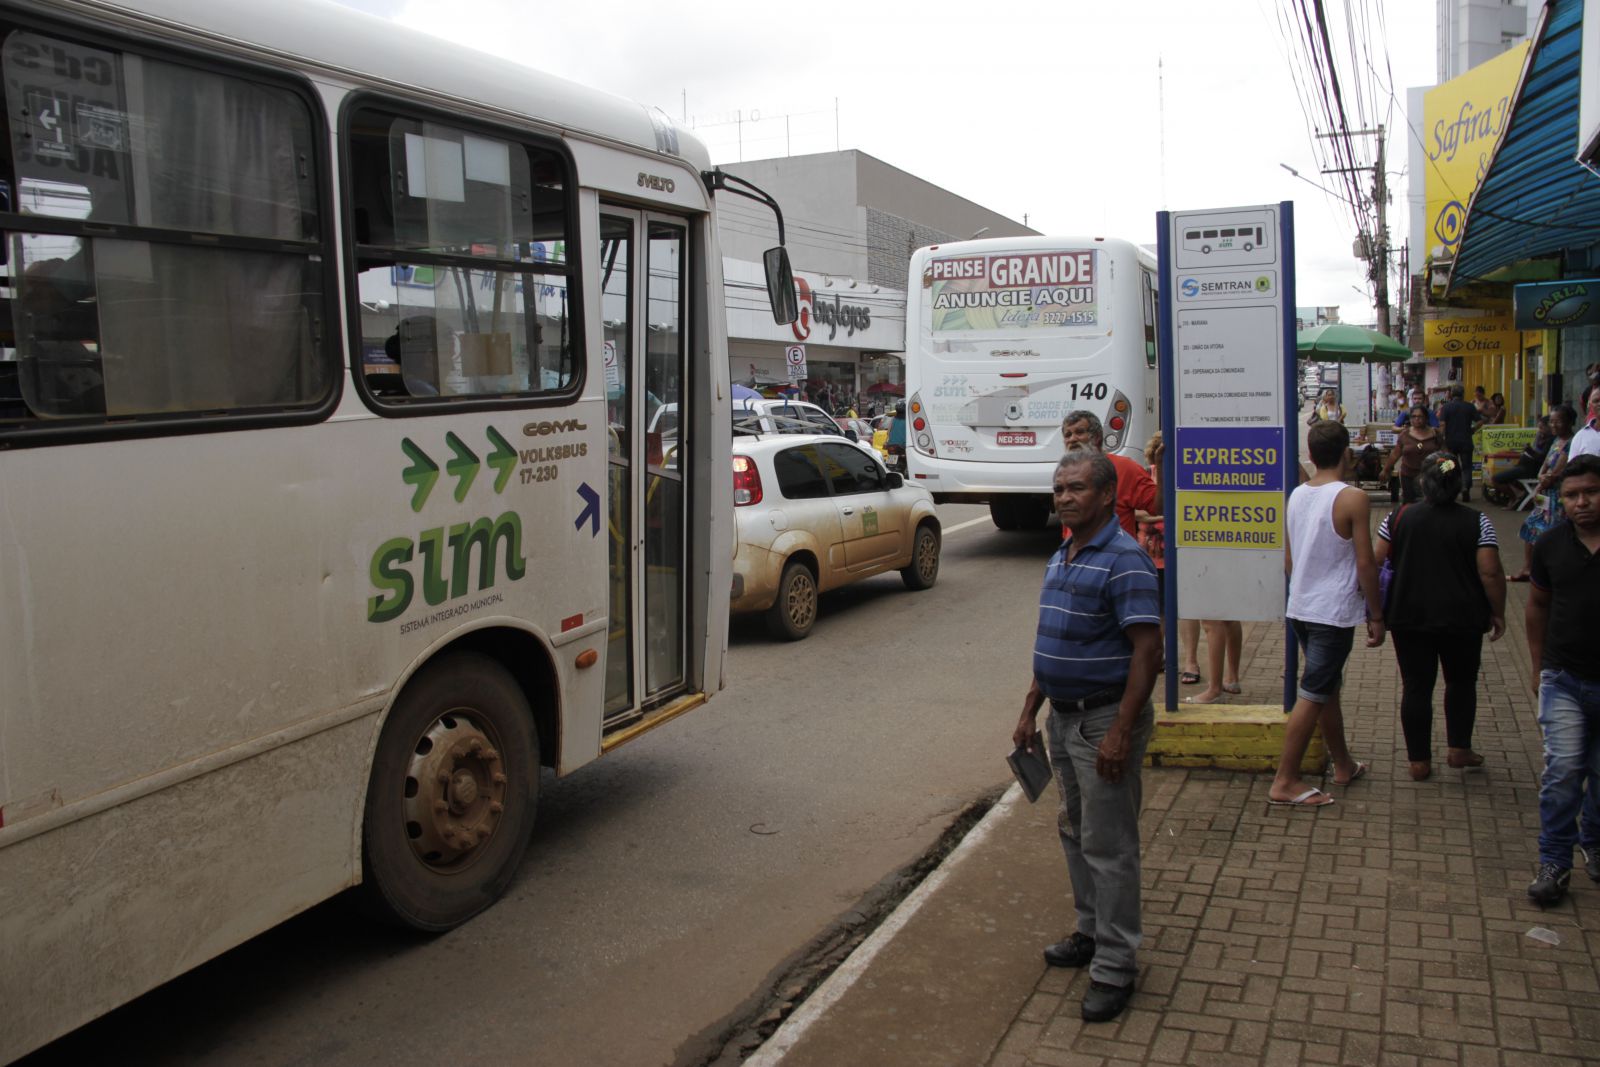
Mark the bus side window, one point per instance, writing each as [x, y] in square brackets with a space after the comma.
[119, 310]
[463, 242]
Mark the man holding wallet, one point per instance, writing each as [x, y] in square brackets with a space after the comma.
[1094, 658]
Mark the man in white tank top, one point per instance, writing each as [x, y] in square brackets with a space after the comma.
[1333, 586]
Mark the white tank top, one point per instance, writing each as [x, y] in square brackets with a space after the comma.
[1323, 586]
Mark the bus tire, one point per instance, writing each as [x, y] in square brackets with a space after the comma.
[924, 568]
[452, 796]
[1003, 511]
[794, 613]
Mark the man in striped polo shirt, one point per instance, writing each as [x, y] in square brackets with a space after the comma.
[1094, 659]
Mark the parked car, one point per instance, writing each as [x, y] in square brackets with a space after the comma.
[783, 416]
[814, 512]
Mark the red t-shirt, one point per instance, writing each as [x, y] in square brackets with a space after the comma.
[1136, 491]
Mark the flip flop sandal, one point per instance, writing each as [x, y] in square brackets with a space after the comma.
[1189, 678]
[1360, 772]
[1304, 800]
[1235, 688]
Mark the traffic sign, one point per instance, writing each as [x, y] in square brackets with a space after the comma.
[795, 356]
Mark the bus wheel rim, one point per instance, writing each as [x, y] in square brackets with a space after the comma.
[454, 791]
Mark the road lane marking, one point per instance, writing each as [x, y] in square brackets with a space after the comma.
[776, 1047]
[948, 530]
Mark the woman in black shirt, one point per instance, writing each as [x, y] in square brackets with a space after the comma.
[1448, 589]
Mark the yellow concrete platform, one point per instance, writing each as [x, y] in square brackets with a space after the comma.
[1235, 737]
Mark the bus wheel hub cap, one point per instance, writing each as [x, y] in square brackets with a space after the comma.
[455, 790]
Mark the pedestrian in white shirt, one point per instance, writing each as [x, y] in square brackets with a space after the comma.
[1586, 442]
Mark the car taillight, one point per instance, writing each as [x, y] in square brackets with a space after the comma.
[746, 482]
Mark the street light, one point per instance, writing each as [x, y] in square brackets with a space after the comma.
[978, 233]
[1317, 185]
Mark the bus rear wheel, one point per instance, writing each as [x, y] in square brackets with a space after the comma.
[452, 796]
[1005, 513]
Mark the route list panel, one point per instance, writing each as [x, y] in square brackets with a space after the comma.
[1228, 366]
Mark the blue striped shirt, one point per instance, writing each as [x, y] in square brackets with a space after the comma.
[1084, 608]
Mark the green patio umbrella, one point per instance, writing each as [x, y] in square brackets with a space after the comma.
[1339, 343]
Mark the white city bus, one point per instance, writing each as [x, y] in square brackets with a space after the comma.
[1004, 337]
[324, 521]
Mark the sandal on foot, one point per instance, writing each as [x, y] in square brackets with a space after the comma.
[1232, 687]
[1189, 677]
[1421, 770]
[1360, 771]
[1466, 762]
[1308, 799]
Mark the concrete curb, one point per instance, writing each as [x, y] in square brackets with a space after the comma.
[839, 983]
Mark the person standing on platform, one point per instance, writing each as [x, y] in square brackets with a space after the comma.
[1333, 584]
[1094, 659]
[1137, 489]
[1563, 603]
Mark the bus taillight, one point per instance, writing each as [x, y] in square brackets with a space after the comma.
[746, 482]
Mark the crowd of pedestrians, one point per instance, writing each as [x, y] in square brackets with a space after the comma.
[1429, 578]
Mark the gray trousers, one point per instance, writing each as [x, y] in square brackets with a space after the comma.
[1099, 824]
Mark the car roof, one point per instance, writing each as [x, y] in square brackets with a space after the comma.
[771, 442]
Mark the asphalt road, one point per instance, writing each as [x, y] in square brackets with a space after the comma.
[669, 880]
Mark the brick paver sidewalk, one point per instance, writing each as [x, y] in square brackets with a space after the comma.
[1388, 928]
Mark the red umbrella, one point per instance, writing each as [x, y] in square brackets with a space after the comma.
[887, 387]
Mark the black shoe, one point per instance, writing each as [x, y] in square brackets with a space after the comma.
[1075, 951]
[1104, 1002]
[1591, 862]
[1550, 885]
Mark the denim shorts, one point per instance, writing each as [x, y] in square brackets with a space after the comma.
[1323, 651]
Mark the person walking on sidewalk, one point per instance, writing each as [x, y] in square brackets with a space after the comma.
[1448, 588]
[1563, 603]
[1094, 659]
[1333, 583]
[1458, 419]
[1413, 444]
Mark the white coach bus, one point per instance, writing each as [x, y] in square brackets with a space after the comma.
[328, 514]
[1004, 337]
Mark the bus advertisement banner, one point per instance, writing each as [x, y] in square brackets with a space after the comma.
[1229, 390]
[1012, 291]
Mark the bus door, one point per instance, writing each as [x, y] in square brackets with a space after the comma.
[643, 261]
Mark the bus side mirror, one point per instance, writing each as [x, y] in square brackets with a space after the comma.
[780, 285]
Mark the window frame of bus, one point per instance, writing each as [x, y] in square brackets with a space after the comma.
[399, 107]
[106, 427]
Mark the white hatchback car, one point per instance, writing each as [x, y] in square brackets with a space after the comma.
[816, 512]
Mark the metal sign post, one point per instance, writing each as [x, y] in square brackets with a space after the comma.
[1229, 401]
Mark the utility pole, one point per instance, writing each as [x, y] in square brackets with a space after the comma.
[1375, 246]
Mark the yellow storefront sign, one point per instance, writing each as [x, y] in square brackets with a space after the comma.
[1230, 520]
[1462, 121]
[1487, 335]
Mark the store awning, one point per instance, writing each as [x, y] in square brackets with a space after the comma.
[1535, 200]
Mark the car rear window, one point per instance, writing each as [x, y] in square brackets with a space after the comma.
[799, 477]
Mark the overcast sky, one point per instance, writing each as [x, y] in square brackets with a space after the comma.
[1046, 109]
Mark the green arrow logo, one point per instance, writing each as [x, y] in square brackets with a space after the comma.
[421, 475]
[503, 459]
[464, 467]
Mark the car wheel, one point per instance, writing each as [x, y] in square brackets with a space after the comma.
[924, 569]
[795, 611]
[1004, 513]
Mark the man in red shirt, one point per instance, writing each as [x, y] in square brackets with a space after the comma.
[1137, 490]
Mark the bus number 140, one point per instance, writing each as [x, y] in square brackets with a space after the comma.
[1090, 390]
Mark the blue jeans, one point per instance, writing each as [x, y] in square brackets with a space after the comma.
[1099, 826]
[1324, 649]
[1569, 715]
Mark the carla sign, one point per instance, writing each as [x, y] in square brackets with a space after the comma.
[1556, 305]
